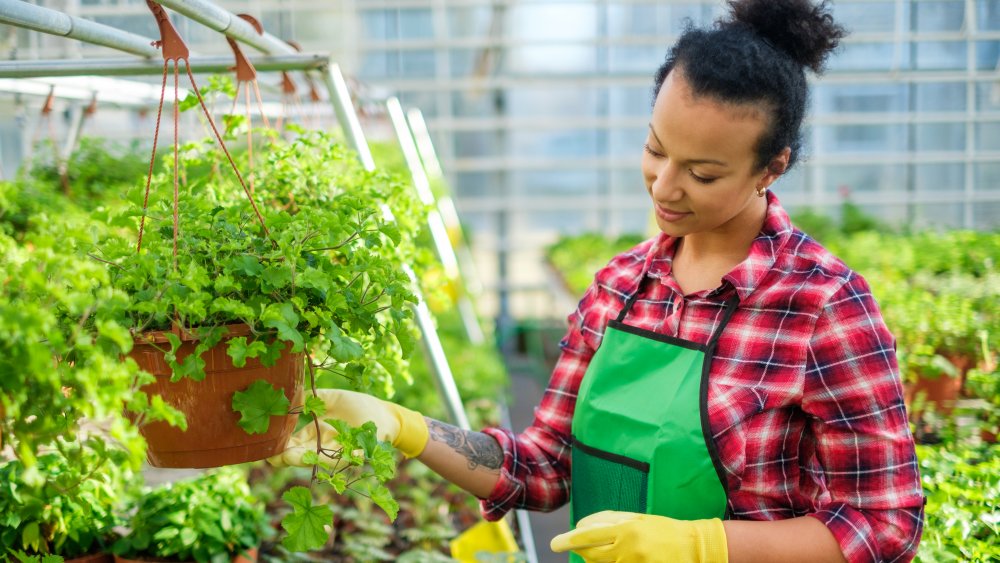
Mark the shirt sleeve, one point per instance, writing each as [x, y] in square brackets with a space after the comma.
[853, 394]
[535, 474]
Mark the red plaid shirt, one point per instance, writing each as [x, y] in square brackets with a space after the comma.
[804, 398]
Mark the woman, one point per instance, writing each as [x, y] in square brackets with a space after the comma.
[727, 390]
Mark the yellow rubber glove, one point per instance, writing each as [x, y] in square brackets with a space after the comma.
[405, 429]
[611, 536]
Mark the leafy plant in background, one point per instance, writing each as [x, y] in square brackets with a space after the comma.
[60, 351]
[72, 511]
[579, 258]
[962, 486]
[211, 518]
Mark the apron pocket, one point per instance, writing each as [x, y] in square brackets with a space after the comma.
[606, 481]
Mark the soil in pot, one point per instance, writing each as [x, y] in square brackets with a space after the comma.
[213, 437]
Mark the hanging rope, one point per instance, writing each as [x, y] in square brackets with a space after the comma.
[174, 49]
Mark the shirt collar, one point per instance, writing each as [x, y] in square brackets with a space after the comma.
[746, 276]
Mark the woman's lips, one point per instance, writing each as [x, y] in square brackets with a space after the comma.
[668, 215]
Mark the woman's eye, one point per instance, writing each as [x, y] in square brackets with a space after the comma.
[651, 151]
[701, 179]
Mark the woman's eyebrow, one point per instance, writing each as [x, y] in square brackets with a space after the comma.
[694, 161]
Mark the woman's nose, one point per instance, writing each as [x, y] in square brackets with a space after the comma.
[665, 186]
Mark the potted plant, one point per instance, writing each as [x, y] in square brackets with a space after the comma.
[66, 506]
[211, 518]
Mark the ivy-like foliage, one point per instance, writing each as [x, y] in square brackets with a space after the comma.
[73, 511]
[60, 351]
[211, 518]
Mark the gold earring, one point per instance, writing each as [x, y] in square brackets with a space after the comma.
[761, 190]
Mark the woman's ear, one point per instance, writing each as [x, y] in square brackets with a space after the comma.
[776, 167]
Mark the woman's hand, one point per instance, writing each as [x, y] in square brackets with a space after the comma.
[403, 428]
[612, 536]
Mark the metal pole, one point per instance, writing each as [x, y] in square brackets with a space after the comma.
[443, 378]
[139, 67]
[224, 21]
[22, 14]
[439, 233]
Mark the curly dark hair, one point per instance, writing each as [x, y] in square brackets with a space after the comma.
[758, 55]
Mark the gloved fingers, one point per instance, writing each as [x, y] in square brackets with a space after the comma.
[594, 535]
[305, 441]
[606, 518]
[600, 554]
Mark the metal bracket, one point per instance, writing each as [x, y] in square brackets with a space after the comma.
[245, 72]
[170, 42]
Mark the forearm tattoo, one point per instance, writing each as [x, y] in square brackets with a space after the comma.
[477, 448]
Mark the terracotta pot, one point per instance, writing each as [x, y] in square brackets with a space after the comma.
[251, 557]
[941, 391]
[93, 558]
[214, 437]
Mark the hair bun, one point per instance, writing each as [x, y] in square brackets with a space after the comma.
[804, 30]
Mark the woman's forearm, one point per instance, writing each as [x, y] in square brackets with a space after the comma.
[468, 459]
[792, 540]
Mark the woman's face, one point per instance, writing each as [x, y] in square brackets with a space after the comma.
[699, 162]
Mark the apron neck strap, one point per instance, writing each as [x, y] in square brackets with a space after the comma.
[728, 309]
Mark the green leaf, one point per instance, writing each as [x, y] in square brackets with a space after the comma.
[285, 320]
[277, 276]
[273, 353]
[383, 462]
[257, 404]
[314, 406]
[248, 265]
[239, 351]
[30, 536]
[343, 348]
[306, 523]
[381, 496]
[310, 458]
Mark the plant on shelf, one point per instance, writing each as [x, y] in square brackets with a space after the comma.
[69, 514]
[211, 518]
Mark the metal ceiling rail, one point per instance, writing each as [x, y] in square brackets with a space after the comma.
[224, 21]
[30, 16]
[139, 67]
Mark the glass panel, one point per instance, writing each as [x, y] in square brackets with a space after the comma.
[938, 16]
[478, 184]
[635, 58]
[557, 182]
[940, 96]
[987, 176]
[860, 17]
[988, 136]
[476, 143]
[471, 21]
[939, 136]
[551, 22]
[378, 25]
[576, 143]
[628, 141]
[857, 138]
[860, 178]
[988, 55]
[988, 96]
[940, 215]
[940, 55]
[863, 56]
[794, 181]
[988, 15]
[416, 64]
[376, 64]
[553, 101]
[551, 59]
[986, 215]
[939, 177]
[416, 24]
[477, 103]
[631, 100]
[859, 98]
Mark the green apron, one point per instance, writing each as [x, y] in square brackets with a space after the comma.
[641, 436]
